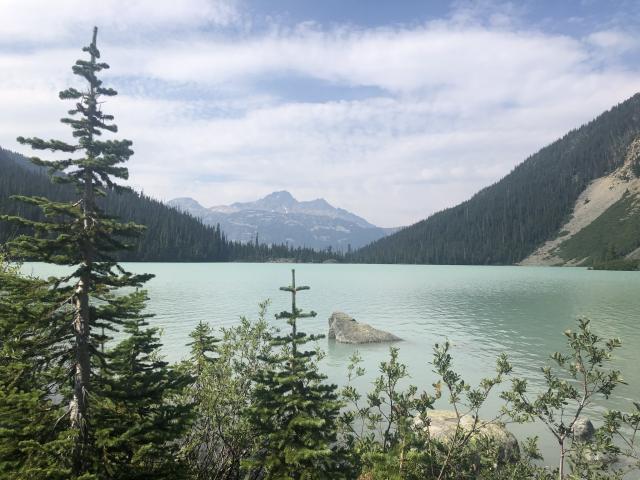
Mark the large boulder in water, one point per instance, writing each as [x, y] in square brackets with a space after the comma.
[583, 430]
[345, 329]
[442, 426]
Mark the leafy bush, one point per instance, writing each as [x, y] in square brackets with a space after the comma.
[221, 436]
[389, 428]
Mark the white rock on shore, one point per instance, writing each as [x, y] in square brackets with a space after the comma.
[443, 423]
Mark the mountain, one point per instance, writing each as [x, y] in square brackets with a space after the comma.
[283, 202]
[605, 222]
[171, 236]
[279, 218]
[575, 202]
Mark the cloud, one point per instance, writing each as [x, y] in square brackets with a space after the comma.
[613, 41]
[40, 21]
[455, 103]
[398, 60]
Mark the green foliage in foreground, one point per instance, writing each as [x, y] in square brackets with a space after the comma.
[388, 433]
[391, 430]
[394, 436]
[136, 415]
[140, 415]
[579, 378]
[30, 445]
[222, 436]
[293, 412]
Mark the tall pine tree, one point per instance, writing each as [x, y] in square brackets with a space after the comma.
[78, 234]
[294, 412]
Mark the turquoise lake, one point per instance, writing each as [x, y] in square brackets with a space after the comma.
[482, 311]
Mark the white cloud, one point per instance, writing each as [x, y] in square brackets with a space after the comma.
[613, 42]
[36, 21]
[612, 39]
[459, 104]
[401, 61]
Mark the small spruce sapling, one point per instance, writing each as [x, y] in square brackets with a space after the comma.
[139, 415]
[294, 411]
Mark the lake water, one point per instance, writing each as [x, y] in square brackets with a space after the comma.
[483, 311]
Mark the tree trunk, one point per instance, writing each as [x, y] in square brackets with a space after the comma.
[82, 332]
[82, 373]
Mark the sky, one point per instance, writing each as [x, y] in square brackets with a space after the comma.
[391, 109]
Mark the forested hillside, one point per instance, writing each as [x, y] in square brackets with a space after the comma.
[171, 235]
[505, 222]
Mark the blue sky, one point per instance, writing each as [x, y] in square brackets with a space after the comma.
[391, 109]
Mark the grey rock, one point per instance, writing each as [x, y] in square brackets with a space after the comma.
[442, 426]
[344, 328]
[612, 462]
[583, 430]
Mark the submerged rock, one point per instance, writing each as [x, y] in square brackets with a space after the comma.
[442, 426]
[345, 329]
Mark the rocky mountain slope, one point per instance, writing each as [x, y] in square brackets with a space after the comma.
[279, 218]
[574, 202]
[605, 223]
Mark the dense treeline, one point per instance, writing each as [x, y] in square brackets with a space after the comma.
[170, 236]
[505, 222]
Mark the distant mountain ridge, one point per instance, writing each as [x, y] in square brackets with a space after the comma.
[279, 218]
[283, 202]
[546, 205]
[170, 236]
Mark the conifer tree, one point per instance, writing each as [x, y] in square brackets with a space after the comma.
[294, 411]
[140, 414]
[203, 347]
[29, 447]
[80, 235]
[197, 442]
